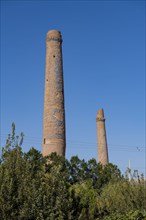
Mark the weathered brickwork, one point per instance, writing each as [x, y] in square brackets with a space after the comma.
[101, 138]
[54, 112]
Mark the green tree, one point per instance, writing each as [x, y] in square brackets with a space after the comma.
[11, 175]
[33, 187]
[122, 197]
[87, 200]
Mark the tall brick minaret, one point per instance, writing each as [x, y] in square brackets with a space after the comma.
[101, 138]
[54, 139]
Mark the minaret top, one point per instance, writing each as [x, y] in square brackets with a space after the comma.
[100, 115]
[54, 35]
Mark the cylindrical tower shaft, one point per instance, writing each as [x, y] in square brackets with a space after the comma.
[101, 137]
[54, 112]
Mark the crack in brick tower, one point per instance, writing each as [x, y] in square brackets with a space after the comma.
[101, 137]
[54, 139]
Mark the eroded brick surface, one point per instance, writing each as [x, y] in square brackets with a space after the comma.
[54, 113]
[101, 138]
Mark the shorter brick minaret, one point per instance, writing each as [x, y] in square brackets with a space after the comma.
[101, 138]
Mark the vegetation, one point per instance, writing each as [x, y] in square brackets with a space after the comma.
[33, 187]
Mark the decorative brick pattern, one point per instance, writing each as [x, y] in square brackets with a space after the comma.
[54, 139]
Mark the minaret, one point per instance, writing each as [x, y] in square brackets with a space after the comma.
[101, 137]
[54, 113]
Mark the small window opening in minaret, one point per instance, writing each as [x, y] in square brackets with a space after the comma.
[44, 140]
[54, 56]
[47, 80]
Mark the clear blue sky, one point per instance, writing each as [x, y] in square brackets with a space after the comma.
[104, 67]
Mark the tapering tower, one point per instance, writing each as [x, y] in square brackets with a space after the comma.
[101, 137]
[54, 139]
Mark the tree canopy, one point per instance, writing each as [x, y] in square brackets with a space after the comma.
[54, 188]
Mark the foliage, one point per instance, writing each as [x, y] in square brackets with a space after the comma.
[33, 187]
[131, 215]
[123, 196]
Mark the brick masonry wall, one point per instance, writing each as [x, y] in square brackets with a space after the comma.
[101, 138]
[54, 139]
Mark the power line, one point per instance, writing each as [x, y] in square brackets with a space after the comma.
[39, 140]
[85, 145]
